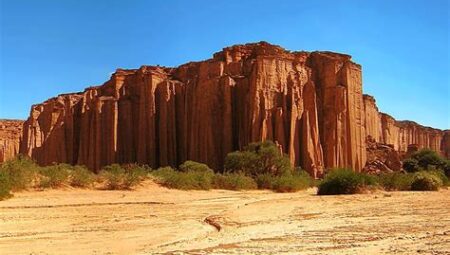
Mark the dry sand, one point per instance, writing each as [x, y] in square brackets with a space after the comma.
[155, 220]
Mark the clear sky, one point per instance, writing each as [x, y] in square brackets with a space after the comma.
[49, 47]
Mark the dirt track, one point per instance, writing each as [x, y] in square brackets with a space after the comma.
[155, 220]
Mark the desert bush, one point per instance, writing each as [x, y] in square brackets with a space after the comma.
[135, 174]
[194, 166]
[54, 176]
[163, 172]
[116, 177]
[344, 181]
[233, 181]
[80, 176]
[425, 181]
[395, 181]
[258, 158]
[141, 170]
[446, 168]
[264, 181]
[21, 172]
[411, 165]
[290, 183]
[5, 186]
[300, 173]
[441, 175]
[296, 181]
[196, 180]
[427, 158]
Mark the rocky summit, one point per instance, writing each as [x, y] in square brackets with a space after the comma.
[310, 103]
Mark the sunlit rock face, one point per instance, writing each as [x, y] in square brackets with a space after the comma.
[10, 135]
[310, 103]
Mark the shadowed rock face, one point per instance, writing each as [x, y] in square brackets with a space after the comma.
[311, 104]
[10, 135]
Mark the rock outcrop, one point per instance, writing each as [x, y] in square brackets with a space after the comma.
[310, 103]
[10, 136]
[381, 157]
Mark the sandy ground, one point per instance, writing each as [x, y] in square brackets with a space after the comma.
[155, 220]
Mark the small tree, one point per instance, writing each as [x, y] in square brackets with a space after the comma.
[425, 181]
[194, 166]
[427, 158]
[258, 158]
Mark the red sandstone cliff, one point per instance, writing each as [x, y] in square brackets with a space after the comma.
[310, 103]
[10, 135]
[384, 129]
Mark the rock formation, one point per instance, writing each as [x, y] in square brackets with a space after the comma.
[310, 103]
[10, 135]
[388, 137]
[381, 157]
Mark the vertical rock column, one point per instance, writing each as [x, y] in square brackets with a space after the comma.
[356, 137]
[10, 138]
[341, 110]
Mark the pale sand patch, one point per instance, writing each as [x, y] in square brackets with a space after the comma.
[154, 220]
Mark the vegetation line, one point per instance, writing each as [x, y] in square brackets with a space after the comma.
[257, 166]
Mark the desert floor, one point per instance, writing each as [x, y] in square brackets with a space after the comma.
[155, 220]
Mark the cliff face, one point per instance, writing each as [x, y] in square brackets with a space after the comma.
[310, 103]
[10, 135]
[384, 129]
[388, 140]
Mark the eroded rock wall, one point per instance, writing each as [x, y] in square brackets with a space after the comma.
[403, 134]
[10, 136]
[372, 119]
[311, 104]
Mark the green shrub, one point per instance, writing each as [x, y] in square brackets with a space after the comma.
[196, 180]
[164, 172]
[300, 173]
[194, 166]
[344, 181]
[80, 176]
[441, 175]
[290, 183]
[258, 158]
[424, 181]
[233, 181]
[265, 181]
[117, 177]
[5, 186]
[54, 176]
[21, 172]
[299, 180]
[446, 168]
[411, 165]
[427, 158]
[135, 174]
[141, 170]
[395, 181]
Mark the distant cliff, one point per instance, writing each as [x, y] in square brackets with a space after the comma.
[310, 103]
[10, 135]
[402, 134]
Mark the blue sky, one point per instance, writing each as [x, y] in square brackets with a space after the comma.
[49, 47]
